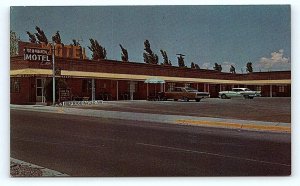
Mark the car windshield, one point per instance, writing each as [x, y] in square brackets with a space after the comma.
[191, 89]
[241, 89]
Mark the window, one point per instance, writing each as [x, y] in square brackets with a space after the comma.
[258, 88]
[132, 86]
[86, 85]
[189, 89]
[40, 83]
[281, 88]
[14, 85]
[187, 85]
[177, 90]
[171, 87]
[223, 87]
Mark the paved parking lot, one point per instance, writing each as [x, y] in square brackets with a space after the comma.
[260, 109]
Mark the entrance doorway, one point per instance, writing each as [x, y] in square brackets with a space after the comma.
[132, 89]
[40, 93]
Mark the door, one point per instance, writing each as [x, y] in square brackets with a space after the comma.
[132, 89]
[40, 86]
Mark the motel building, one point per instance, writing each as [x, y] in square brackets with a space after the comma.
[79, 78]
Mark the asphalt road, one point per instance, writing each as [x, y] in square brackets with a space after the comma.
[89, 146]
[260, 109]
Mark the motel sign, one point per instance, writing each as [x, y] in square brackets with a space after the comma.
[37, 54]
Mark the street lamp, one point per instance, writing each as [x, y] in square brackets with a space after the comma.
[53, 71]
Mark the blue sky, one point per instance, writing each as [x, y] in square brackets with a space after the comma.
[228, 35]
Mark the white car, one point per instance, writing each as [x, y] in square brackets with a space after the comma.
[239, 92]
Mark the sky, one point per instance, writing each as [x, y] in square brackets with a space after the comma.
[227, 35]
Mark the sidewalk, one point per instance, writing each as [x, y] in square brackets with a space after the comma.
[20, 168]
[163, 118]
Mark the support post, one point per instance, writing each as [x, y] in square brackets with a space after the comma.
[117, 90]
[131, 89]
[147, 91]
[271, 91]
[93, 89]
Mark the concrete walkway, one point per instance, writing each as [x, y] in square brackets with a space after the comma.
[31, 167]
[163, 118]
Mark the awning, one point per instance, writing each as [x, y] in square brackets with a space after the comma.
[135, 77]
[30, 71]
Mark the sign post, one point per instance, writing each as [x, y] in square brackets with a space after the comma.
[53, 71]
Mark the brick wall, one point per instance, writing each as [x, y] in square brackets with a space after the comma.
[25, 95]
[109, 66]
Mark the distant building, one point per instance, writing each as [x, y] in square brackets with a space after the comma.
[85, 79]
[13, 44]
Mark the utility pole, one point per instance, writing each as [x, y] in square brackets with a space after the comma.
[53, 71]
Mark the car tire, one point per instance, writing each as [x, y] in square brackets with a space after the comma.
[223, 96]
[198, 99]
[175, 99]
[186, 99]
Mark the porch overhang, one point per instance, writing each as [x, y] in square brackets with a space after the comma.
[136, 77]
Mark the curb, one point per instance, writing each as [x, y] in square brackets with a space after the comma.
[45, 172]
[231, 125]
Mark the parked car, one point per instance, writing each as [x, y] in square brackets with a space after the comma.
[185, 93]
[239, 92]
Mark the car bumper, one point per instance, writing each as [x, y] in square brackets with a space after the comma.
[202, 96]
